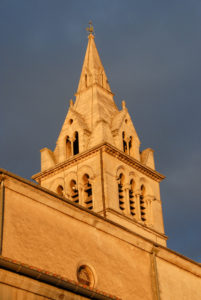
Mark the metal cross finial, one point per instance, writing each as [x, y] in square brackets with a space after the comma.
[90, 29]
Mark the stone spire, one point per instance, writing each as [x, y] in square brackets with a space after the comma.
[94, 99]
[92, 70]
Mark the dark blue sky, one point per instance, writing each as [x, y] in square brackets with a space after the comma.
[151, 51]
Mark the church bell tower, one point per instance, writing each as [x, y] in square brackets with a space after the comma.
[97, 162]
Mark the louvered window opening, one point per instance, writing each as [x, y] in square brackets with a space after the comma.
[121, 193]
[74, 192]
[142, 204]
[88, 193]
[132, 198]
[60, 190]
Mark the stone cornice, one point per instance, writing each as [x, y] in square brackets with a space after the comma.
[71, 161]
[133, 162]
[137, 223]
[108, 148]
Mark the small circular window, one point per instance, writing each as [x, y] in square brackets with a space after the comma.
[71, 121]
[85, 276]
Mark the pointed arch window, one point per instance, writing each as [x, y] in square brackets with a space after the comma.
[121, 192]
[132, 198]
[143, 204]
[127, 143]
[88, 200]
[74, 191]
[124, 142]
[68, 147]
[76, 143]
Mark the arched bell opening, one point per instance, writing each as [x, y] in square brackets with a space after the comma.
[121, 191]
[74, 191]
[132, 198]
[60, 190]
[88, 200]
[130, 144]
[143, 204]
[76, 144]
[124, 142]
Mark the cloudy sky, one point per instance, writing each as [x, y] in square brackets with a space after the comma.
[151, 51]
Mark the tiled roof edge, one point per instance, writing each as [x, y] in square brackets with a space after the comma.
[53, 279]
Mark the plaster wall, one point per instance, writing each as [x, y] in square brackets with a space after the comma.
[44, 231]
[45, 236]
[176, 283]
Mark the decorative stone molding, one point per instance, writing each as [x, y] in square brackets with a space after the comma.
[105, 148]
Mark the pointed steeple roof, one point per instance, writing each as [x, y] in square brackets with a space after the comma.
[94, 99]
[92, 70]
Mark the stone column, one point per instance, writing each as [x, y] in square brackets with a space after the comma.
[148, 200]
[128, 142]
[91, 181]
[126, 189]
[123, 193]
[127, 139]
[137, 201]
[72, 139]
[81, 194]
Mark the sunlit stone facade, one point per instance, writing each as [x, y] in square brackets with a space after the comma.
[94, 217]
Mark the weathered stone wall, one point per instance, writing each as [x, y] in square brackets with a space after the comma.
[49, 234]
[41, 230]
[177, 283]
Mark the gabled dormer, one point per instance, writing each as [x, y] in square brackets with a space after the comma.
[124, 133]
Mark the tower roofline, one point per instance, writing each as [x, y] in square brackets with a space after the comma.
[109, 149]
